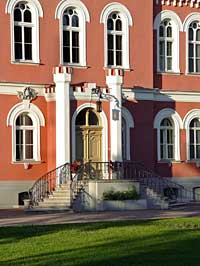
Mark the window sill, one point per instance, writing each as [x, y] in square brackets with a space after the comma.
[76, 66]
[169, 161]
[193, 74]
[117, 67]
[26, 163]
[31, 63]
[168, 73]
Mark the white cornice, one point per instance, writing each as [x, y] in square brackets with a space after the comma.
[190, 3]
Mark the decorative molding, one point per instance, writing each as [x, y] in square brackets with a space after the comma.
[168, 14]
[11, 4]
[189, 19]
[28, 94]
[180, 3]
[72, 3]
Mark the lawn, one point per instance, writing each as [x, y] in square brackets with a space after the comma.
[174, 242]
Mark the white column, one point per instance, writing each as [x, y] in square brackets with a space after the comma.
[114, 80]
[62, 79]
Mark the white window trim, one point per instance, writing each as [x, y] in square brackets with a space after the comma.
[104, 131]
[84, 17]
[37, 11]
[194, 113]
[188, 20]
[129, 124]
[177, 27]
[126, 22]
[38, 120]
[178, 124]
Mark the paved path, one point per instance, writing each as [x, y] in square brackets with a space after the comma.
[19, 217]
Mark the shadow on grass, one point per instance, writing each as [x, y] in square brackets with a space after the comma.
[148, 243]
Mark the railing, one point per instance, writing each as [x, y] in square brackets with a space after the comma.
[136, 171]
[46, 184]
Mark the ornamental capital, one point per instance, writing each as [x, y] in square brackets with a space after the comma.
[28, 94]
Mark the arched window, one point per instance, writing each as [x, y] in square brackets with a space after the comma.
[73, 16]
[116, 19]
[24, 30]
[194, 141]
[165, 46]
[166, 139]
[168, 25]
[124, 140]
[194, 47]
[114, 37]
[24, 138]
[25, 123]
[168, 124]
[70, 42]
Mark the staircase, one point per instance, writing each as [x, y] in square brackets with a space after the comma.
[161, 193]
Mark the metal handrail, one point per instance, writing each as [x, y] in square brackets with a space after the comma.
[46, 184]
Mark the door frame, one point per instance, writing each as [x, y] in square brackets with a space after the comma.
[104, 131]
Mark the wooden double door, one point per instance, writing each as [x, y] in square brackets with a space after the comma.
[88, 144]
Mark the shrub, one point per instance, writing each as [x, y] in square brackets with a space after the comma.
[121, 195]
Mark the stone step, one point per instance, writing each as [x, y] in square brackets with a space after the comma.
[58, 197]
[54, 204]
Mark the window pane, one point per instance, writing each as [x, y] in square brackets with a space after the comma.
[18, 51]
[29, 152]
[18, 33]
[161, 31]
[198, 136]
[191, 136]
[161, 136]
[110, 41]
[28, 51]
[118, 42]
[75, 39]
[170, 152]
[19, 152]
[75, 55]
[110, 58]
[27, 16]
[93, 119]
[192, 152]
[162, 63]
[191, 65]
[198, 50]
[66, 54]
[190, 34]
[198, 35]
[110, 24]
[27, 120]
[66, 38]
[19, 136]
[17, 15]
[65, 20]
[162, 48]
[198, 151]
[161, 151]
[169, 63]
[169, 48]
[166, 122]
[169, 31]
[118, 58]
[28, 35]
[29, 136]
[75, 21]
[191, 50]
[118, 25]
[198, 65]
[170, 136]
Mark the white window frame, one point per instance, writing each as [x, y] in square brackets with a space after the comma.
[188, 20]
[178, 124]
[194, 113]
[38, 120]
[177, 27]
[165, 143]
[36, 11]
[84, 17]
[127, 21]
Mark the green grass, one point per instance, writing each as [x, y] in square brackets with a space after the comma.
[174, 242]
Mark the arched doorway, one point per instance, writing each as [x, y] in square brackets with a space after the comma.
[88, 136]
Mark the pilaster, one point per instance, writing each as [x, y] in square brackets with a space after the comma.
[114, 80]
